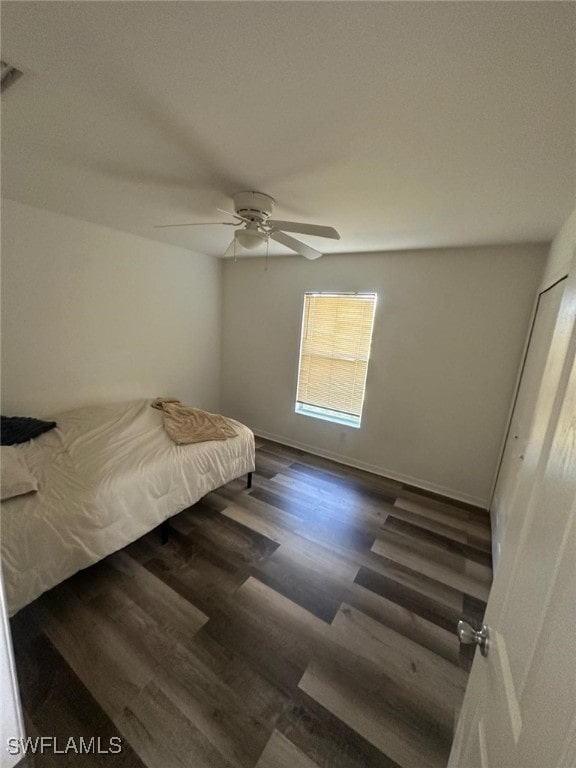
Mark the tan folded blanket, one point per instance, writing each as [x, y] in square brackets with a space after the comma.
[185, 425]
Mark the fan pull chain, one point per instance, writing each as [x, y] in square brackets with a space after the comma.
[235, 259]
[267, 246]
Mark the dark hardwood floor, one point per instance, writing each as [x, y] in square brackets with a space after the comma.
[309, 621]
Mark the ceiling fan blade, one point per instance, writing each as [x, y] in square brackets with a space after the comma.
[195, 224]
[305, 229]
[229, 213]
[296, 245]
[231, 250]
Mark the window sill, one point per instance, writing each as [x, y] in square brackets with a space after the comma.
[344, 419]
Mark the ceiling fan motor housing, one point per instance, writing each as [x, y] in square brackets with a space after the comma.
[255, 206]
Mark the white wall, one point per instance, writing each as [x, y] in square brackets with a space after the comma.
[449, 330]
[92, 314]
[561, 253]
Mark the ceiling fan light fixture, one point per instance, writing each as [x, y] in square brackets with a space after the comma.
[249, 239]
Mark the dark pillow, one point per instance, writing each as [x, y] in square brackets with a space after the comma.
[19, 429]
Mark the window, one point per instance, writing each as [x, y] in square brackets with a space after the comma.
[334, 353]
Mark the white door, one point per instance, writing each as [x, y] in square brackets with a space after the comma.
[11, 722]
[524, 407]
[520, 705]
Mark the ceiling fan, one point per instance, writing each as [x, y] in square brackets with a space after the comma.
[252, 214]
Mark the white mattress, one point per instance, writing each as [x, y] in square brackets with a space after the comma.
[107, 475]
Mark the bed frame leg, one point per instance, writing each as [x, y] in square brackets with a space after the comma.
[249, 480]
[164, 531]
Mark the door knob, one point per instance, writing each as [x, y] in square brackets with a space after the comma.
[469, 636]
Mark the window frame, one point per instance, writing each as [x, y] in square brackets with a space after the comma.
[322, 412]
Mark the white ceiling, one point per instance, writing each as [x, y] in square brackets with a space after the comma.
[402, 124]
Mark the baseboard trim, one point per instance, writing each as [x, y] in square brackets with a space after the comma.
[415, 482]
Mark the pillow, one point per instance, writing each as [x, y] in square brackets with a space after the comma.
[15, 477]
[19, 429]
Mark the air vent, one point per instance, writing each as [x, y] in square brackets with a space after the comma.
[9, 75]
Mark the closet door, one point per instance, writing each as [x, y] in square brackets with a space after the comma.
[519, 710]
[519, 429]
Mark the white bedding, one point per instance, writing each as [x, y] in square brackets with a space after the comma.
[107, 475]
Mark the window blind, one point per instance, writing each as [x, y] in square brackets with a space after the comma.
[334, 351]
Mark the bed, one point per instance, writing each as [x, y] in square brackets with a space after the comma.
[106, 475]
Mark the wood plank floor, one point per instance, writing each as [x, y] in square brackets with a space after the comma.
[306, 623]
